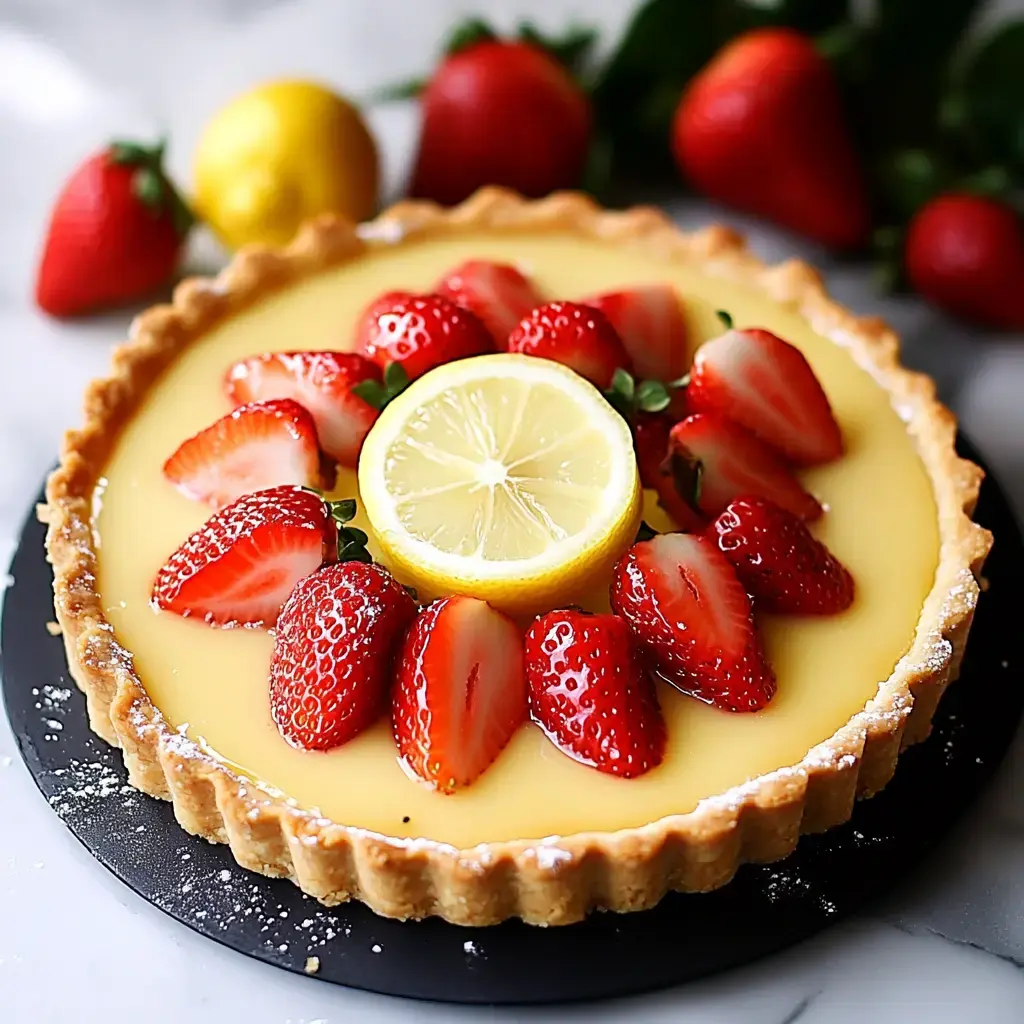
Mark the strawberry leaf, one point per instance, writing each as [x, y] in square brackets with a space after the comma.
[572, 49]
[644, 532]
[725, 317]
[374, 393]
[652, 396]
[687, 474]
[469, 33]
[351, 540]
[342, 511]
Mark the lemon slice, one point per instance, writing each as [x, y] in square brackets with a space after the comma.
[507, 477]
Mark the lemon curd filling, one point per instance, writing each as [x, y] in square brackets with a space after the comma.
[881, 522]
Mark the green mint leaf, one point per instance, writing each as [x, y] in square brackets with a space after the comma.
[344, 510]
[372, 392]
[395, 379]
[725, 317]
[652, 396]
[623, 383]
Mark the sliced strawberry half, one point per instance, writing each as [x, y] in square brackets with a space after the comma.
[460, 691]
[322, 383]
[590, 694]
[651, 323]
[650, 441]
[240, 566]
[716, 461]
[691, 615]
[496, 292]
[257, 446]
[766, 385]
[780, 562]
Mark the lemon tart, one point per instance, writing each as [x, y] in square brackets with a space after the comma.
[538, 836]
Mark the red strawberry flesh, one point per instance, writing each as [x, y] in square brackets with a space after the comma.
[460, 692]
[319, 381]
[496, 292]
[590, 694]
[767, 386]
[732, 462]
[692, 617]
[575, 335]
[257, 446]
[651, 324]
[240, 566]
[780, 562]
[336, 638]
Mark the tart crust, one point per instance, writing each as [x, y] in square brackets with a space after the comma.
[560, 879]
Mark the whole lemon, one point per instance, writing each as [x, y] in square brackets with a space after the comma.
[279, 154]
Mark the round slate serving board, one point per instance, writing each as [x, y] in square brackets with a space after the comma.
[764, 909]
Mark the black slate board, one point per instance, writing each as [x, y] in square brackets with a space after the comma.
[687, 936]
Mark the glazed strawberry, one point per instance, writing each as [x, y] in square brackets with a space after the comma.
[966, 254]
[590, 694]
[782, 565]
[650, 321]
[717, 461]
[766, 385]
[333, 655]
[322, 383]
[419, 332]
[460, 691]
[761, 128]
[573, 334]
[650, 441]
[496, 292]
[500, 113]
[116, 232]
[240, 566]
[692, 618]
[257, 446]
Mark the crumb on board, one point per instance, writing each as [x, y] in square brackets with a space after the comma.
[312, 964]
[53, 628]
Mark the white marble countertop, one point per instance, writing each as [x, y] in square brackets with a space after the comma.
[75, 944]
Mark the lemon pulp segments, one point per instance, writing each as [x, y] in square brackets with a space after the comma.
[503, 476]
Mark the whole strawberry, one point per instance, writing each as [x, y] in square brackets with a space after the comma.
[460, 691]
[417, 333]
[578, 336]
[500, 112]
[692, 618]
[782, 564]
[336, 639]
[115, 233]
[966, 254]
[590, 694]
[761, 128]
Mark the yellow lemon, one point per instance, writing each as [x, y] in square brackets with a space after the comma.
[279, 154]
[507, 477]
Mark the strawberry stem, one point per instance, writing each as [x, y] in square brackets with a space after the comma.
[150, 184]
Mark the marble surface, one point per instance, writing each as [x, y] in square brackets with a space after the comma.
[76, 944]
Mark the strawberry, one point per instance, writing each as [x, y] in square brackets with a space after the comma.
[761, 128]
[715, 461]
[573, 334]
[115, 234]
[650, 321]
[779, 561]
[322, 383]
[419, 332]
[766, 385]
[500, 113]
[257, 446]
[690, 614]
[240, 566]
[496, 292]
[966, 254]
[650, 441]
[460, 691]
[590, 694]
[336, 639]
